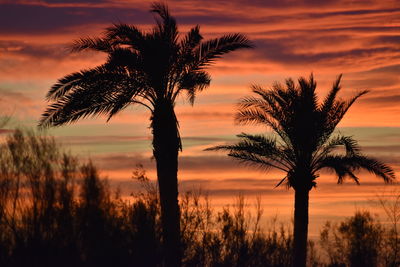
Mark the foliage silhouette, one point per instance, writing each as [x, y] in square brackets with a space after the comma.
[390, 203]
[150, 69]
[304, 143]
[57, 212]
[356, 241]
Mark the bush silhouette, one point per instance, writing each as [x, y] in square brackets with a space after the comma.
[355, 242]
[56, 211]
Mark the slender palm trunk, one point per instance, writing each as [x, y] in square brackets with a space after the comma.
[166, 144]
[300, 227]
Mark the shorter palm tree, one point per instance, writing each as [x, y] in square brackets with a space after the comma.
[304, 143]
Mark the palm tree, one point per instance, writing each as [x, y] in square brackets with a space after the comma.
[150, 69]
[304, 143]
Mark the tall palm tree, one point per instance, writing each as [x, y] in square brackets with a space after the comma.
[150, 69]
[303, 144]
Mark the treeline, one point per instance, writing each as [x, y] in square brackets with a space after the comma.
[56, 211]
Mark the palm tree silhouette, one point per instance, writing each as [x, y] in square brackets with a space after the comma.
[150, 69]
[303, 144]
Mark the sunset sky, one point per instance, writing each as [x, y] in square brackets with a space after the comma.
[360, 39]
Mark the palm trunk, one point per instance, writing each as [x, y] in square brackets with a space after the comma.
[300, 227]
[166, 144]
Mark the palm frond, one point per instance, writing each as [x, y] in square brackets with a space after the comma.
[191, 40]
[213, 49]
[101, 94]
[125, 97]
[255, 116]
[186, 60]
[256, 110]
[284, 179]
[77, 80]
[330, 98]
[161, 9]
[124, 34]
[273, 107]
[340, 166]
[374, 166]
[256, 150]
[337, 112]
[67, 109]
[347, 165]
[166, 27]
[349, 143]
[123, 59]
[276, 103]
[193, 82]
[91, 43]
[307, 94]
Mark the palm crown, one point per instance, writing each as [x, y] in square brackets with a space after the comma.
[305, 141]
[142, 68]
